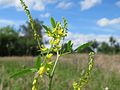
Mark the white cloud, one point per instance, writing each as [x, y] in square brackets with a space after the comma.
[87, 4]
[79, 39]
[65, 5]
[7, 22]
[106, 22]
[39, 6]
[4, 22]
[118, 3]
[32, 4]
[45, 15]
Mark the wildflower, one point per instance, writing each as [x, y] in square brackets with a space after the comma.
[49, 64]
[55, 49]
[75, 85]
[34, 88]
[49, 55]
[34, 82]
[57, 41]
[60, 32]
[49, 34]
[43, 48]
[51, 41]
[41, 70]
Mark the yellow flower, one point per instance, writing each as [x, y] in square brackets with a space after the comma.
[55, 49]
[43, 48]
[49, 64]
[51, 41]
[41, 70]
[34, 82]
[57, 41]
[60, 32]
[49, 34]
[49, 55]
[34, 88]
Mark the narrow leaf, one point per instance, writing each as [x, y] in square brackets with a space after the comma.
[53, 22]
[81, 47]
[38, 62]
[45, 27]
[21, 72]
[67, 47]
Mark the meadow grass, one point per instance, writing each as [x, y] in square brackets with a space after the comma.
[106, 73]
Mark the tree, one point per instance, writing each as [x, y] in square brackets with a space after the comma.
[28, 36]
[28, 32]
[8, 38]
[104, 48]
[112, 41]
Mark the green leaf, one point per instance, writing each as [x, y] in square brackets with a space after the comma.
[53, 22]
[45, 27]
[22, 72]
[67, 47]
[38, 62]
[81, 47]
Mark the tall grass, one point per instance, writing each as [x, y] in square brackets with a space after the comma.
[105, 74]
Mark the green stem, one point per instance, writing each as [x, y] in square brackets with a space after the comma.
[50, 83]
[53, 71]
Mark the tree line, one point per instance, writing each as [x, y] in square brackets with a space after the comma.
[111, 47]
[20, 42]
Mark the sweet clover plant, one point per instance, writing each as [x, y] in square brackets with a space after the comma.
[45, 65]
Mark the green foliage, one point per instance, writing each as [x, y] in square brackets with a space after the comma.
[113, 47]
[8, 38]
[14, 42]
[24, 71]
[53, 23]
[38, 62]
[67, 48]
[83, 47]
[68, 70]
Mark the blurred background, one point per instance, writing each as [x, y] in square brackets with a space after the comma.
[96, 21]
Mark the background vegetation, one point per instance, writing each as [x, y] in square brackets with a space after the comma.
[106, 73]
[20, 42]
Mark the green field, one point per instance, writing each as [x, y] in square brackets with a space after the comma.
[106, 73]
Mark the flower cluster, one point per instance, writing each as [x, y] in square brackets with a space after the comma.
[56, 33]
[45, 65]
[85, 76]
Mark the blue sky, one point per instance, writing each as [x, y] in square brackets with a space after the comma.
[85, 17]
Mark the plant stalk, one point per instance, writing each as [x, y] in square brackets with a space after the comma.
[53, 71]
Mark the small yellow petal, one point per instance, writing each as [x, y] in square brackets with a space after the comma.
[49, 55]
[43, 48]
[60, 32]
[33, 88]
[57, 41]
[41, 70]
[51, 42]
[34, 82]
